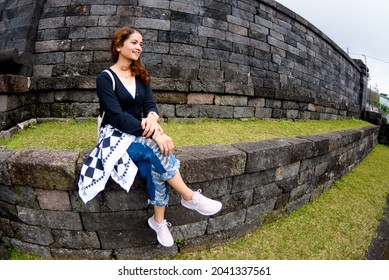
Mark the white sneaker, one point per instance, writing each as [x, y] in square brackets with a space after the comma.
[164, 236]
[202, 204]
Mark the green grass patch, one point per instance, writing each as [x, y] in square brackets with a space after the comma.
[83, 135]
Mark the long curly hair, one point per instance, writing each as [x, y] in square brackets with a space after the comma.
[136, 67]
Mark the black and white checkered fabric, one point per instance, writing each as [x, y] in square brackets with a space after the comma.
[108, 158]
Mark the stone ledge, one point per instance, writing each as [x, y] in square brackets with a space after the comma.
[41, 213]
[44, 168]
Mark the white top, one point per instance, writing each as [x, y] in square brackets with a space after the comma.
[131, 89]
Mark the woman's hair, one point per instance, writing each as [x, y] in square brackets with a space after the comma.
[136, 67]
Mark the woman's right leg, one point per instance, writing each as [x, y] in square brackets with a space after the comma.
[158, 194]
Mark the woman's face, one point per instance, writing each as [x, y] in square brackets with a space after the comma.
[132, 47]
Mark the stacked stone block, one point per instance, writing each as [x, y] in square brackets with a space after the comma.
[41, 212]
[208, 59]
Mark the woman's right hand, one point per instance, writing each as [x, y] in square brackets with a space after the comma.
[164, 142]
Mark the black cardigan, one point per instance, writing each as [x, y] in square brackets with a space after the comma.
[122, 111]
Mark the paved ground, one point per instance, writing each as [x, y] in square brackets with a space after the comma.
[378, 249]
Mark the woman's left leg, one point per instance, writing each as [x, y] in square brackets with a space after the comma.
[166, 169]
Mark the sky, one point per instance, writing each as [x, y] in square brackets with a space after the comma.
[359, 27]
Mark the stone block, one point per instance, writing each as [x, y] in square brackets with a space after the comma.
[243, 112]
[49, 23]
[166, 110]
[201, 98]
[50, 219]
[205, 242]
[252, 180]
[265, 192]
[81, 254]
[300, 148]
[103, 10]
[42, 70]
[79, 57]
[6, 228]
[49, 58]
[30, 248]
[93, 205]
[282, 201]
[120, 200]
[53, 200]
[287, 184]
[16, 102]
[266, 154]
[32, 234]
[292, 206]
[87, 21]
[150, 23]
[255, 211]
[309, 163]
[207, 86]
[20, 195]
[186, 50]
[287, 171]
[137, 236]
[188, 231]
[111, 221]
[214, 188]
[321, 143]
[8, 211]
[226, 222]
[90, 44]
[146, 252]
[350, 136]
[44, 168]
[263, 113]
[188, 111]
[236, 201]
[239, 89]
[14, 83]
[292, 114]
[72, 239]
[204, 163]
[170, 97]
[228, 100]
[5, 178]
[52, 46]
[169, 84]
[216, 112]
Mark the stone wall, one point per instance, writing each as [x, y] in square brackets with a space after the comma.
[41, 213]
[208, 59]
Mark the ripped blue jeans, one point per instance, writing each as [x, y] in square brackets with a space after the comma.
[154, 168]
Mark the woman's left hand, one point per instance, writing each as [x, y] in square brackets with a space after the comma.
[151, 126]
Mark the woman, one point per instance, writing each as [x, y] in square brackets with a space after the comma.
[149, 148]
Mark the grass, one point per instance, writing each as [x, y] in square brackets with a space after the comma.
[82, 135]
[339, 224]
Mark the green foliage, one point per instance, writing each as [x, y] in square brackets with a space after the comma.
[375, 101]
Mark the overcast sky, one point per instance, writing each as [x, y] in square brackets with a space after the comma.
[360, 26]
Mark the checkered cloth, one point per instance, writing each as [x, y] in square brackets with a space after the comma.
[108, 158]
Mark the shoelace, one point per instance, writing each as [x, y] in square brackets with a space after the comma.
[164, 223]
[198, 199]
